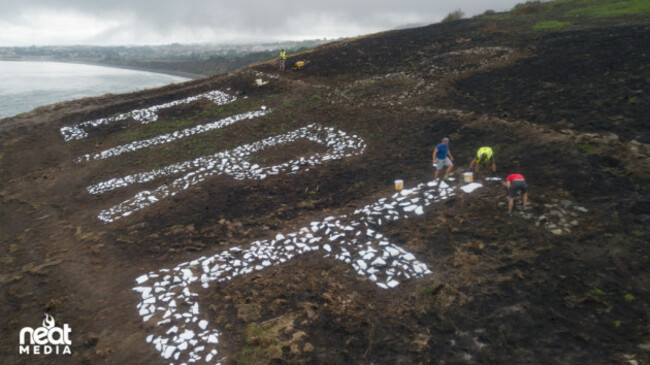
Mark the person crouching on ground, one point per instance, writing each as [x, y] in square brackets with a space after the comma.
[483, 157]
[516, 183]
[442, 157]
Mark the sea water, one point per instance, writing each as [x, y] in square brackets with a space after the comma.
[25, 85]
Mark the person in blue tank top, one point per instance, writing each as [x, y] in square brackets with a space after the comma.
[442, 157]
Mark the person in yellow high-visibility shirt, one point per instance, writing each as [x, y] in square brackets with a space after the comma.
[283, 59]
[484, 157]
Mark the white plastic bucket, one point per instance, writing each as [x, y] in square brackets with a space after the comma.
[468, 177]
[399, 185]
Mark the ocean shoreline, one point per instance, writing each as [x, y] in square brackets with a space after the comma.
[12, 110]
[188, 75]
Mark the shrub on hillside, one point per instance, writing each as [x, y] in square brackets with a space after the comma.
[529, 7]
[454, 15]
[489, 12]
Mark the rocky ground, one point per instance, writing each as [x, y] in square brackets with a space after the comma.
[564, 281]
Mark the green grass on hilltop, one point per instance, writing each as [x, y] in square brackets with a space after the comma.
[560, 14]
[608, 8]
[550, 25]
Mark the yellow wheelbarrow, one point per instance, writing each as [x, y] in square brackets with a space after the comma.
[298, 65]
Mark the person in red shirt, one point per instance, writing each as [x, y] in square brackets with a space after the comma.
[516, 183]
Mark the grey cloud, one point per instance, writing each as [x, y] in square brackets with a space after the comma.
[248, 18]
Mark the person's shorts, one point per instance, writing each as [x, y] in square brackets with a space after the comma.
[282, 62]
[442, 163]
[515, 186]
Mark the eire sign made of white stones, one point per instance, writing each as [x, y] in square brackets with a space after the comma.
[233, 162]
[181, 333]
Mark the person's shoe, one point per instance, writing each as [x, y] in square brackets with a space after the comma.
[446, 176]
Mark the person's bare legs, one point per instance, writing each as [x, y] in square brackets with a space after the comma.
[436, 174]
[511, 203]
[449, 169]
[525, 197]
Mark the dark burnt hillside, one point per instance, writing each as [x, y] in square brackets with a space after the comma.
[219, 221]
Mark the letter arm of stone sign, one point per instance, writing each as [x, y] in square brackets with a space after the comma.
[144, 116]
[182, 333]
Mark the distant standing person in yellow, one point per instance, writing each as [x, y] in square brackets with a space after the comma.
[283, 59]
[483, 157]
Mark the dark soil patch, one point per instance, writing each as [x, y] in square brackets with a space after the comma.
[576, 80]
[301, 148]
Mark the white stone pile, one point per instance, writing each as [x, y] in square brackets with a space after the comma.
[491, 56]
[144, 116]
[267, 75]
[171, 137]
[169, 296]
[482, 51]
[413, 84]
[233, 162]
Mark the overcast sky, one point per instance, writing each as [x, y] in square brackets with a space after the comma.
[131, 22]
